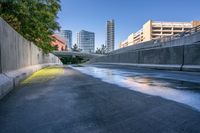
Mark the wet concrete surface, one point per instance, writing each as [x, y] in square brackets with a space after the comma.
[183, 87]
[74, 102]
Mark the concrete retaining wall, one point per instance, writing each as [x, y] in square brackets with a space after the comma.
[183, 57]
[169, 55]
[19, 58]
[186, 40]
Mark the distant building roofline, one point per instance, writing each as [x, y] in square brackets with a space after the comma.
[58, 38]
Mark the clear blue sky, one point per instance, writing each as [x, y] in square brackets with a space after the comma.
[129, 15]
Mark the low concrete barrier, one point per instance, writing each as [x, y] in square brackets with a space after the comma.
[19, 58]
[6, 85]
[182, 57]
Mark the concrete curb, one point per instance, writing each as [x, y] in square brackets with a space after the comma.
[6, 85]
[190, 68]
[10, 80]
[151, 66]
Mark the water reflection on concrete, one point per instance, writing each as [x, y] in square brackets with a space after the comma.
[180, 91]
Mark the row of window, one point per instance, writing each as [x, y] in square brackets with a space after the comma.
[138, 36]
[169, 28]
[158, 32]
[159, 36]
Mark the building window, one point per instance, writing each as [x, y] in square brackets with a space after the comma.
[154, 37]
[176, 33]
[177, 28]
[167, 33]
[156, 32]
[156, 28]
[167, 28]
[187, 28]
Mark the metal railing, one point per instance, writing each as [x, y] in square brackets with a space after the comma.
[179, 35]
[161, 42]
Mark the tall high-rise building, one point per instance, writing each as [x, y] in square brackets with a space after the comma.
[86, 41]
[67, 35]
[110, 38]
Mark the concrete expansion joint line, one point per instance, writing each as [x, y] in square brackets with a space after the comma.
[183, 55]
[13, 79]
[6, 75]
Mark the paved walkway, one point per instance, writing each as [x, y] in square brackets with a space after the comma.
[62, 100]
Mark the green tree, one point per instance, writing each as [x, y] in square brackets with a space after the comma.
[33, 19]
[98, 51]
[101, 50]
[76, 48]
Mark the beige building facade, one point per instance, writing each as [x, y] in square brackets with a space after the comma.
[153, 30]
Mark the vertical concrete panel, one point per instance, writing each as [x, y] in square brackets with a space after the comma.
[102, 59]
[124, 58]
[19, 53]
[115, 58]
[192, 54]
[1, 41]
[7, 50]
[32, 54]
[47, 58]
[121, 58]
[24, 54]
[169, 55]
[15, 49]
[109, 58]
[29, 53]
[16, 52]
[41, 54]
[35, 55]
[134, 57]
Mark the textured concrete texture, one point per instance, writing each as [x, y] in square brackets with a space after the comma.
[19, 57]
[76, 103]
[152, 66]
[6, 84]
[169, 56]
[183, 57]
[192, 54]
[17, 52]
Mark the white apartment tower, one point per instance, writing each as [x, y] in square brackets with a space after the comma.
[110, 36]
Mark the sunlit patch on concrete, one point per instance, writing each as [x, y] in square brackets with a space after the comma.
[44, 75]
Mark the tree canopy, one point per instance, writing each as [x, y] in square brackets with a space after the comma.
[33, 19]
[75, 48]
[101, 50]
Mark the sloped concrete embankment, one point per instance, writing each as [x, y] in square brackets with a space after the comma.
[19, 58]
[184, 56]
